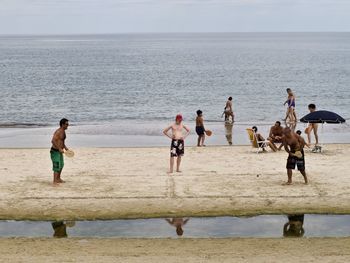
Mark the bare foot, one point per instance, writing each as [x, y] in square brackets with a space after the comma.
[287, 183]
[55, 183]
[178, 171]
[61, 181]
[203, 145]
[169, 172]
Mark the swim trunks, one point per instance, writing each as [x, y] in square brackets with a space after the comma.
[57, 160]
[200, 130]
[177, 148]
[293, 161]
[291, 103]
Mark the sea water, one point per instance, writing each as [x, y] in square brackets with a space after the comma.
[122, 90]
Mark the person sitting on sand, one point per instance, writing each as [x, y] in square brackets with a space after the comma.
[312, 127]
[177, 148]
[294, 226]
[228, 110]
[294, 146]
[276, 133]
[178, 223]
[57, 150]
[261, 141]
[200, 130]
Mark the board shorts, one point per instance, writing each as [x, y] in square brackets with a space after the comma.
[57, 160]
[200, 130]
[293, 161]
[177, 148]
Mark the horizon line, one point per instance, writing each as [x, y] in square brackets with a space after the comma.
[162, 33]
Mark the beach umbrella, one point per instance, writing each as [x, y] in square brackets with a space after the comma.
[322, 116]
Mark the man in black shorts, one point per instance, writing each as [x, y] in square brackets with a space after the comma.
[200, 128]
[294, 145]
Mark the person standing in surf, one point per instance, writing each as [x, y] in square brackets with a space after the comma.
[57, 149]
[177, 148]
[228, 111]
[290, 114]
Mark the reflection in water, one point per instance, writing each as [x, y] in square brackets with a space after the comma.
[178, 223]
[60, 228]
[294, 226]
[228, 132]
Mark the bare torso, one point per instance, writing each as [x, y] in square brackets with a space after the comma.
[276, 131]
[58, 139]
[294, 142]
[177, 131]
[228, 106]
[199, 121]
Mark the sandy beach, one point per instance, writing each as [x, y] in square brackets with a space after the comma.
[111, 183]
[175, 250]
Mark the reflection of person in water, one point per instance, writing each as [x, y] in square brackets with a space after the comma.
[294, 226]
[60, 228]
[178, 223]
[228, 132]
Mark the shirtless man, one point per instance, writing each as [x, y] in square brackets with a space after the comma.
[293, 144]
[57, 150]
[178, 223]
[312, 126]
[200, 130]
[228, 111]
[177, 148]
[276, 133]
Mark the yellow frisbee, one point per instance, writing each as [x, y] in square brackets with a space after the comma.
[69, 153]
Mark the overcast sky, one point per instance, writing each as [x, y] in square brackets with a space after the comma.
[122, 16]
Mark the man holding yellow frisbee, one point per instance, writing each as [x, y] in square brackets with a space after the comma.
[57, 149]
[294, 146]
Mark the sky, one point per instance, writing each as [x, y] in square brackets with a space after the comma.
[142, 16]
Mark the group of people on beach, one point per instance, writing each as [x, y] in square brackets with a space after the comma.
[292, 141]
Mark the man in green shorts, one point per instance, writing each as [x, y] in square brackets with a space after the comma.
[57, 149]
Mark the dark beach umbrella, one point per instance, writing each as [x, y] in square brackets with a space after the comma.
[322, 116]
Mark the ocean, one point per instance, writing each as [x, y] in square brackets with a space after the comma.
[122, 90]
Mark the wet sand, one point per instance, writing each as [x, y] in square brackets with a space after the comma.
[288, 250]
[111, 183]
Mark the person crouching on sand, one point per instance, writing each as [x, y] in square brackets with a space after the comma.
[57, 149]
[177, 148]
[200, 130]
